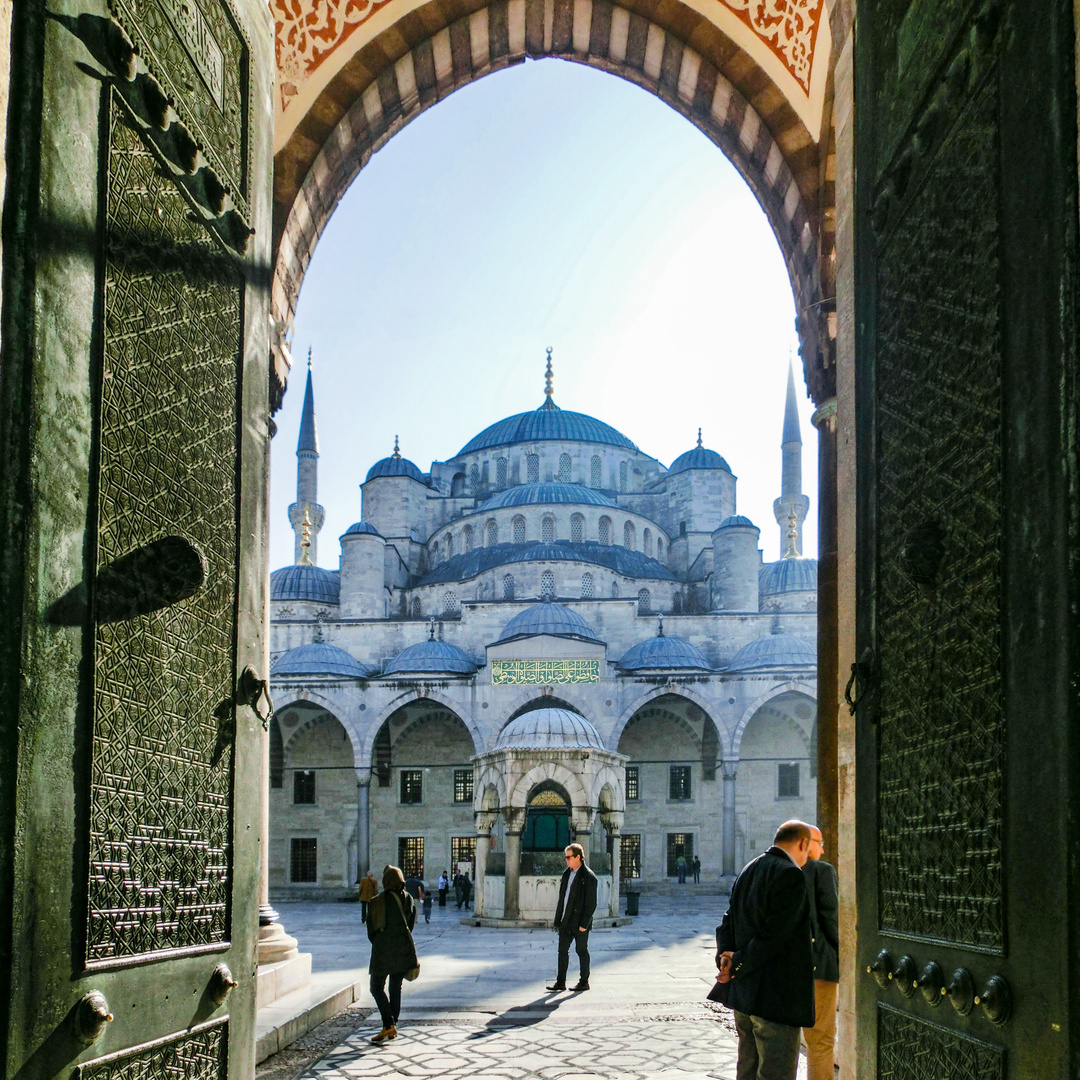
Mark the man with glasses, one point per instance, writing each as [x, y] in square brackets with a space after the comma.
[825, 920]
[573, 916]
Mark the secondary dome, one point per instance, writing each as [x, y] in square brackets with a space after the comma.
[698, 458]
[736, 521]
[394, 466]
[788, 575]
[549, 729]
[774, 650]
[318, 658]
[663, 652]
[547, 423]
[305, 583]
[548, 618]
[362, 527]
[533, 494]
[431, 658]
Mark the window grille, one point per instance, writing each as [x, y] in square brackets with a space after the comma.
[304, 860]
[547, 530]
[614, 590]
[629, 856]
[646, 542]
[676, 604]
[679, 783]
[787, 781]
[508, 587]
[547, 585]
[577, 529]
[679, 843]
[564, 468]
[416, 607]
[462, 849]
[500, 472]
[596, 473]
[303, 788]
[644, 602]
[605, 530]
[632, 783]
[463, 785]
[629, 540]
[410, 855]
[474, 477]
[492, 533]
[412, 786]
[519, 530]
[450, 604]
[466, 538]
[622, 475]
[532, 468]
[586, 586]
[485, 474]
[448, 543]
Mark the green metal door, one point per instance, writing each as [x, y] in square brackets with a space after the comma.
[133, 417]
[966, 391]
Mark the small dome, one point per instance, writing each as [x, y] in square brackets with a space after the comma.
[318, 658]
[543, 494]
[395, 465]
[774, 650]
[663, 652]
[305, 583]
[788, 575]
[549, 729]
[736, 521]
[548, 618]
[361, 527]
[431, 657]
[554, 424]
[698, 458]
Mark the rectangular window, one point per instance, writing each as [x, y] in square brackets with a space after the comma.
[629, 856]
[303, 786]
[632, 783]
[412, 786]
[679, 783]
[410, 855]
[679, 843]
[787, 781]
[304, 860]
[463, 790]
[462, 850]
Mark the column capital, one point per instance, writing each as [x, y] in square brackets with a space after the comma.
[729, 769]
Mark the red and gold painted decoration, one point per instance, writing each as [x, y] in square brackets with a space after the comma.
[788, 27]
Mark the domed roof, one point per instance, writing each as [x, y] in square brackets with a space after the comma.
[533, 494]
[361, 527]
[395, 465]
[546, 423]
[698, 458]
[547, 618]
[736, 521]
[431, 657]
[304, 582]
[549, 729]
[318, 658]
[663, 652]
[788, 575]
[774, 650]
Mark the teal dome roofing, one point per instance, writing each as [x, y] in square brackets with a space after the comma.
[431, 658]
[734, 522]
[545, 494]
[305, 583]
[663, 652]
[361, 527]
[788, 575]
[774, 650]
[549, 729]
[395, 465]
[548, 618]
[698, 458]
[546, 423]
[318, 658]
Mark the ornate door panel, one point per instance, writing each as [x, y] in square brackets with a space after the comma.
[133, 406]
[966, 396]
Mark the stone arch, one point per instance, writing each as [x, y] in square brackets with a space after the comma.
[566, 698]
[337, 709]
[650, 695]
[490, 792]
[792, 686]
[609, 780]
[410, 697]
[518, 795]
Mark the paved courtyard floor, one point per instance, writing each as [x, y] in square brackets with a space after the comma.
[480, 1008]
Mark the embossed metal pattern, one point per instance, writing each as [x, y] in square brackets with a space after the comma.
[941, 755]
[913, 1049]
[160, 790]
[200, 1055]
[543, 672]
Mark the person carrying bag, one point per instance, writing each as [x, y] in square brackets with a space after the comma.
[393, 952]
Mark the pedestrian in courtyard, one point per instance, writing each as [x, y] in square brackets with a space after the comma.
[457, 889]
[393, 952]
[697, 870]
[466, 890]
[444, 884]
[414, 886]
[426, 902]
[369, 889]
[825, 921]
[680, 866]
[765, 956]
[573, 916]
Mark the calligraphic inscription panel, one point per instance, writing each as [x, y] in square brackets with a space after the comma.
[912, 1049]
[202, 1055]
[940, 528]
[544, 672]
[160, 785]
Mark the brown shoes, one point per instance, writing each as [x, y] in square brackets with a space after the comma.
[580, 986]
[555, 988]
[386, 1033]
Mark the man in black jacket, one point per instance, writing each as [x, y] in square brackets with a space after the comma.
[765, 951]
[825, 920]
[573, 916]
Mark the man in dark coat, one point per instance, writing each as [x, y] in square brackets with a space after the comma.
[573, 916]
[825, 920]
[765, 951]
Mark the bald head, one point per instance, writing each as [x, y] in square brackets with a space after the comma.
[794, 837]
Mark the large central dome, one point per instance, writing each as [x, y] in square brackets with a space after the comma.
[545, 423]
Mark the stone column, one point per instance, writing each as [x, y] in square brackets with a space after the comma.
[511, 906]
[363, 822]
[483, 845]
[728, 825]
[274, 943]
[615, 870]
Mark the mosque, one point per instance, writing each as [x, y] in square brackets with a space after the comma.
[548, 636]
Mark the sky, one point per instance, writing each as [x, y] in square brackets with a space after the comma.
[548, 204]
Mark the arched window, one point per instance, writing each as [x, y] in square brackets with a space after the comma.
[466, 538]
[660, 549]
[646, 542]
[614, 590]
[629, 540]
[450, 604]
[416, 607]
[676, 604]
[577, 529]
[519, 530]
[500, 472]
[492, 533]
[644, 602]
[532, 468]
[457, 486]
[622, 475]
[449, 545]
[586, 586]
[508, 587]
[564, 468]
[605, 530]
[485, 475]
[547, 585]
[435, 553]
[547, 529]
[474, 478]
[595, 469]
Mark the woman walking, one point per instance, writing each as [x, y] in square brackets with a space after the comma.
[393, 953]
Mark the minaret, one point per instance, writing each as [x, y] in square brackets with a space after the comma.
[306, 515]
[792, 506]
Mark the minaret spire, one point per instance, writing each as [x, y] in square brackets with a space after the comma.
[307, 508]
[792, 506]
[549, 385]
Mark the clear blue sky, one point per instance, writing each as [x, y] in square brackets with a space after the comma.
[547, 204]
